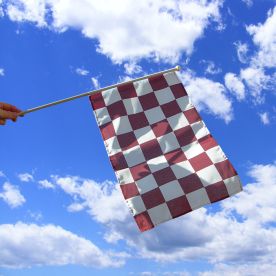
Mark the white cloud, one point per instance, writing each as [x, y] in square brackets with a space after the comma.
[264, 118]
[165, 273]
[127, 29]
[242, 51]
[132, 68]
[257, 202]
[12, 196]
[93, 196]
[124, 78]
[27, 245]
[220, 238]
[95, 82]
[1, 9]
[28, 10]
[249, 3]
[257, 81]
[37, 216]
[46, 184]
[26, 177]
[2, 71]
[264, 36]
[2, 174]
[147, 273]
[76, 207]
[208, 95]
[239, 233]
[252, 269]
[256, 76]
[82, 72]
[211, 67]
[235, 85]
[176, 273]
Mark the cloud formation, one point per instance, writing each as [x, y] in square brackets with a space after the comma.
[46, 184]
[27, 245]
[226, 238]
[26, 177]
[255, 76]
[264, 118]
[257, 81]
[27, 10]
[235, 85]
[1, 9]
[92, 197]
[126, 30]
[211, 68]
[249, 3]
[242, 51]
[95, 82]
[82, 72]
[264, 37]
[12, 196]
[208, 95]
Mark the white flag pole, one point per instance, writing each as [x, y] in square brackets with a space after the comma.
[177, 68]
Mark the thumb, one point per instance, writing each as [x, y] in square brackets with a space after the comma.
[2, 122]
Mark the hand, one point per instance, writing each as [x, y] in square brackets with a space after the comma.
[8, 111]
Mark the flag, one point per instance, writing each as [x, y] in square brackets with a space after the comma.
[166, 161]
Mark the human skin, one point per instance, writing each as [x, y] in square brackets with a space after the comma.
[8, 112]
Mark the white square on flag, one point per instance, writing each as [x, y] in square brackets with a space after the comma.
[166, 161]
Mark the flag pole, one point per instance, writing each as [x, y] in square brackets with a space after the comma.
[177, 68]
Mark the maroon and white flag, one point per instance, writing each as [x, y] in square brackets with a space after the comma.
[166, 161]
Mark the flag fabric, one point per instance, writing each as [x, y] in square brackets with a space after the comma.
[166, 161]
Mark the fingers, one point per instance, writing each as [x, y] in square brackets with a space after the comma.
[9, 107]
[8, 111]
[2, 122]
[8, 115]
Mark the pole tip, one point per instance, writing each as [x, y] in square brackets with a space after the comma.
[177, 68]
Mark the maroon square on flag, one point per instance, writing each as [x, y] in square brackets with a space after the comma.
[138, 120]
[127, 91]
[116, 110]
[151, 149]
[179, 206]
[143, 221]
[225, 169]
[190, 183]
[148, 101]
[158, 82]
[163, 169]
[178, 90]
[97, 101]
[200, 161]
[164, 176]
[192, 115]
[207, 142]
[175, 156]
[161, 128]
[153, 198]
[127, 140]
[185, 135]
[170, 108]
[107, 130]
[129, 190]
[140, 171]
[217, 191]
[118, 161]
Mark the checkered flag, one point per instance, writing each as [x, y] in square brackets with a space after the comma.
[166, 161]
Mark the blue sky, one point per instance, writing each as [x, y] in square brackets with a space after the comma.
[61, 212]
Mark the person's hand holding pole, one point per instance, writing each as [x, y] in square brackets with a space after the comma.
[8, 112]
